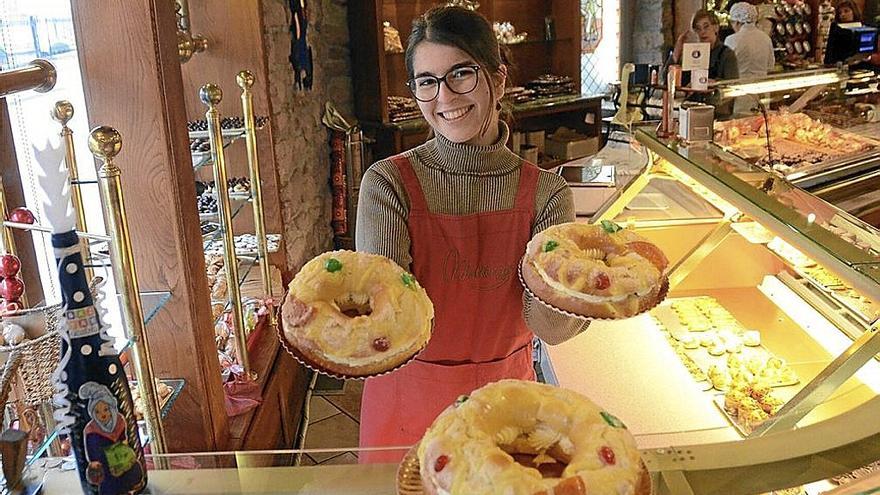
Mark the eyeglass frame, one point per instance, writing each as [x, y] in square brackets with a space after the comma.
[476, 68]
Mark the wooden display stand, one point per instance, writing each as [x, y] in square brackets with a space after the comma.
[552, 46]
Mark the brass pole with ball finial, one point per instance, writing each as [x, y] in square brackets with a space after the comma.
[245, 80]
[105, 143]
[211, 95]
[62, 112]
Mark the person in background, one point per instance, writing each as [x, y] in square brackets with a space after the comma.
[753, 48]
[846, 12]
[722, 60]
[457, 212]
[704, 29]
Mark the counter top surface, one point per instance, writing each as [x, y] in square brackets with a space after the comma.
[365, 479]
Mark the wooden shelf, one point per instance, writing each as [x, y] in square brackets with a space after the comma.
[378, 74]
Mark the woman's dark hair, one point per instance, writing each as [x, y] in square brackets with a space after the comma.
[857, 14]
[704, 14]
[464, 29]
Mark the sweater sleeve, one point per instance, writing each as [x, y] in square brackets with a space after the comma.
[381, 218]
[550, 326]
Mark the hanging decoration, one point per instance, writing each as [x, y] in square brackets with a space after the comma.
[300, 50]
[591, 25]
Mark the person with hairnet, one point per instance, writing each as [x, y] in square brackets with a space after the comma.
[753, 48]
[113, 463]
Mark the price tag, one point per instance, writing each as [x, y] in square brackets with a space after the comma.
[695, 56]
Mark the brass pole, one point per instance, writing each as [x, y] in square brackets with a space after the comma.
[62, 112]
[211, 95]
[245, 80]
[105, 143]
[188, 44]
[39, 76]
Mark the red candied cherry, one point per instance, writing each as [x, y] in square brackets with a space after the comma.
[607, 455]
[441, 463]
[11, 288]
[21, 215]
[602, 281]
[9, 265]
[381, 344]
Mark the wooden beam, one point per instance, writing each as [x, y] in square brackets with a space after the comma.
[132, 81]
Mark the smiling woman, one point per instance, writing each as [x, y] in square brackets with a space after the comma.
[465, 203]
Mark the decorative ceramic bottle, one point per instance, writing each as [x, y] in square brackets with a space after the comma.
[96, 407]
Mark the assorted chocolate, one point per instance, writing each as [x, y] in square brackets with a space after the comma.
[549, 86]
[235, 185]
[546, 86]
[245, 245]
[208, 227]
[226, 123]
[207, 203]
[402, 108]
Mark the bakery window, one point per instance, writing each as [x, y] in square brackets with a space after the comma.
[45, 30]
[601, 44]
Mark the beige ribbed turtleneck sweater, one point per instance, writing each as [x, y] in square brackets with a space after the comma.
[461, 179]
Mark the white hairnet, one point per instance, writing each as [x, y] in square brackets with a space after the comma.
[744, 13]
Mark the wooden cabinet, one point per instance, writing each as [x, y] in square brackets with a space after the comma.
[580, 113]
[552, 45]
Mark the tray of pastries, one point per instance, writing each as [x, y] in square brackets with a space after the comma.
[748, 406]
[799, 144]
[719, 345]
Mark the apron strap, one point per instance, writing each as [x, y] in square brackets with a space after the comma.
[528, 185]
[410, 183]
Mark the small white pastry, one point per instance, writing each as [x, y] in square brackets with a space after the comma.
[751, 338]
[717, 349]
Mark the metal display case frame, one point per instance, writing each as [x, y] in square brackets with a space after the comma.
[780, 452]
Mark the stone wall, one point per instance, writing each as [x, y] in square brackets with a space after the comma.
[300, 140]
[652, 30]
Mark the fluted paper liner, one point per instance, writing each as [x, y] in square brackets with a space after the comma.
[664, 291]
[308, 363]
[409, 479]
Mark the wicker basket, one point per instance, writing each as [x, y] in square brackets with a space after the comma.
[36, 357]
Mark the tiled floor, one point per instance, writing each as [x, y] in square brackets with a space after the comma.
[333, 424]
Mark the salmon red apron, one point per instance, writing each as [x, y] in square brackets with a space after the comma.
[468, 265]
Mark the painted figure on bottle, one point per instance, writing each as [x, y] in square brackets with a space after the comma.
[112, 462]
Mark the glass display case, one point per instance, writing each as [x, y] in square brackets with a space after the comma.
[762, 360]
[818, 128]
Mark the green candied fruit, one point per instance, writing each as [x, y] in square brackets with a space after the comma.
[333, 265]
[610, 226]
[612, 420]
[408, 280]
[550, 246]
[461, 400]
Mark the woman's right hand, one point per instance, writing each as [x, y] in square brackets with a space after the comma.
[686, 37]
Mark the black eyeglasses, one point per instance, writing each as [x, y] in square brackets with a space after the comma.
[460, 80]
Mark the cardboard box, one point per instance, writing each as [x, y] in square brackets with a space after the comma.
[536, 138]
[568, 146]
